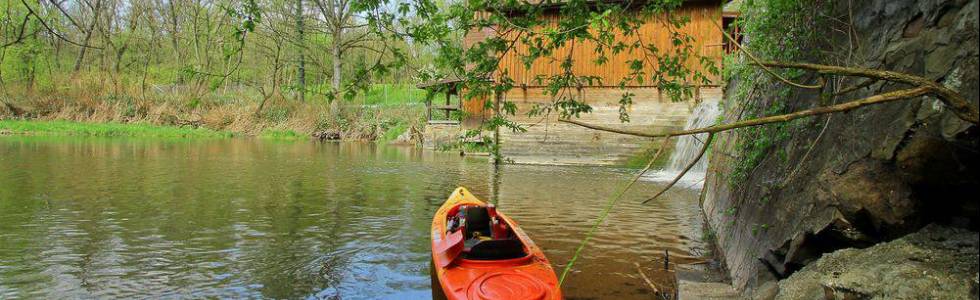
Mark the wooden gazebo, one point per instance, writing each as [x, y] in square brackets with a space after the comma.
[449, 87]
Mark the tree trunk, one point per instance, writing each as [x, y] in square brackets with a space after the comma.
[335, 80]
[88, 35]
[301, 70]
[335, 57]
[175, 41]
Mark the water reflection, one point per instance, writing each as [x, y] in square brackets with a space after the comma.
[120, 218]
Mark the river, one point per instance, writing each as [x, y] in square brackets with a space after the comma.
[249, 218]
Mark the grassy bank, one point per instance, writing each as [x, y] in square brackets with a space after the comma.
[104, 129]
[90, 107]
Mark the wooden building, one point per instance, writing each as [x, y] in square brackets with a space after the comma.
[550, 142]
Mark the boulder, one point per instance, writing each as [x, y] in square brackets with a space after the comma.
[934, 263]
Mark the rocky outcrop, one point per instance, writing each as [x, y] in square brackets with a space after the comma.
[934, 263]
[856, 179]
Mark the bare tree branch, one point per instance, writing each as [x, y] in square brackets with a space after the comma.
[704, 148]
[31, 11]
[20, 33]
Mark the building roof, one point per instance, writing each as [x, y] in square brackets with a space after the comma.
[434, 83]
[733, 7]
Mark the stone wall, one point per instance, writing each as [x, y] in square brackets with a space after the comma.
[863, 177]
[549, 142]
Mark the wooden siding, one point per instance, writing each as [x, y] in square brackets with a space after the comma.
[550, 142]
[707, 42]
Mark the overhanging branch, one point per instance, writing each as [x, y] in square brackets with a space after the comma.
[847, 106]
[961, 107]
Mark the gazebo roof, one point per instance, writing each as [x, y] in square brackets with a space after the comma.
[442, 82]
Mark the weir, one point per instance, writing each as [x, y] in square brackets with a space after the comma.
[687, 148]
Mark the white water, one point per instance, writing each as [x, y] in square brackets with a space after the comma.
[687, 149]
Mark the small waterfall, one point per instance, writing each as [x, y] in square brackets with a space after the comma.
[687, 148]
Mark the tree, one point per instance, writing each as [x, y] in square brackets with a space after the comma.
[89, 30]
[300, 49]
[346, 32]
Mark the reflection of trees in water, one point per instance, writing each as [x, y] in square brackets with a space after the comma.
[243, 218]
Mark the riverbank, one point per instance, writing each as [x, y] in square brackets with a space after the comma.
[27, 127]
[72, 128]
[77, 108]
[284, 121]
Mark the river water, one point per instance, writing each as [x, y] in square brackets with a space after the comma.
[246, 218]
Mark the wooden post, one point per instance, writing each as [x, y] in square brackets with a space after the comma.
[496, 130]
[449, 93]
[428, 107]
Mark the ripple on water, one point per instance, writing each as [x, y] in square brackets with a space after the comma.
[129, 218]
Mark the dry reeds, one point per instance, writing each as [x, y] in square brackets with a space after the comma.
[93, 100]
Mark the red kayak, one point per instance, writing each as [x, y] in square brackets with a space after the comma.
[478, 253]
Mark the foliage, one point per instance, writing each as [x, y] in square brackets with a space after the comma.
[482, 146]
[392, 133]
[201, 46]
[779, 30]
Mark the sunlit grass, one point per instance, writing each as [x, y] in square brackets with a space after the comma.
[392, 133]
[392, 94]
[104, 129]
[280, 134]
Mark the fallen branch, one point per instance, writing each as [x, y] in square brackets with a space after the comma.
[847, 106]
[704, 148]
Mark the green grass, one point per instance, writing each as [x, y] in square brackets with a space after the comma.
[281, 134]
[381, 94]
[392, 133]
[105, 129]
[392, 94]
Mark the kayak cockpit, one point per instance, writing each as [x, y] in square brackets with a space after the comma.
[479, 254]
[485, 235]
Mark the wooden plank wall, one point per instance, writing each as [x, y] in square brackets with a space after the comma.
[550, 142]
[707, 42]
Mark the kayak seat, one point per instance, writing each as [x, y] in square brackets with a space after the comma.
[477, 220]
[495, 249]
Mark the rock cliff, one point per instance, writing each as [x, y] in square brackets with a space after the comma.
[779, 198]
